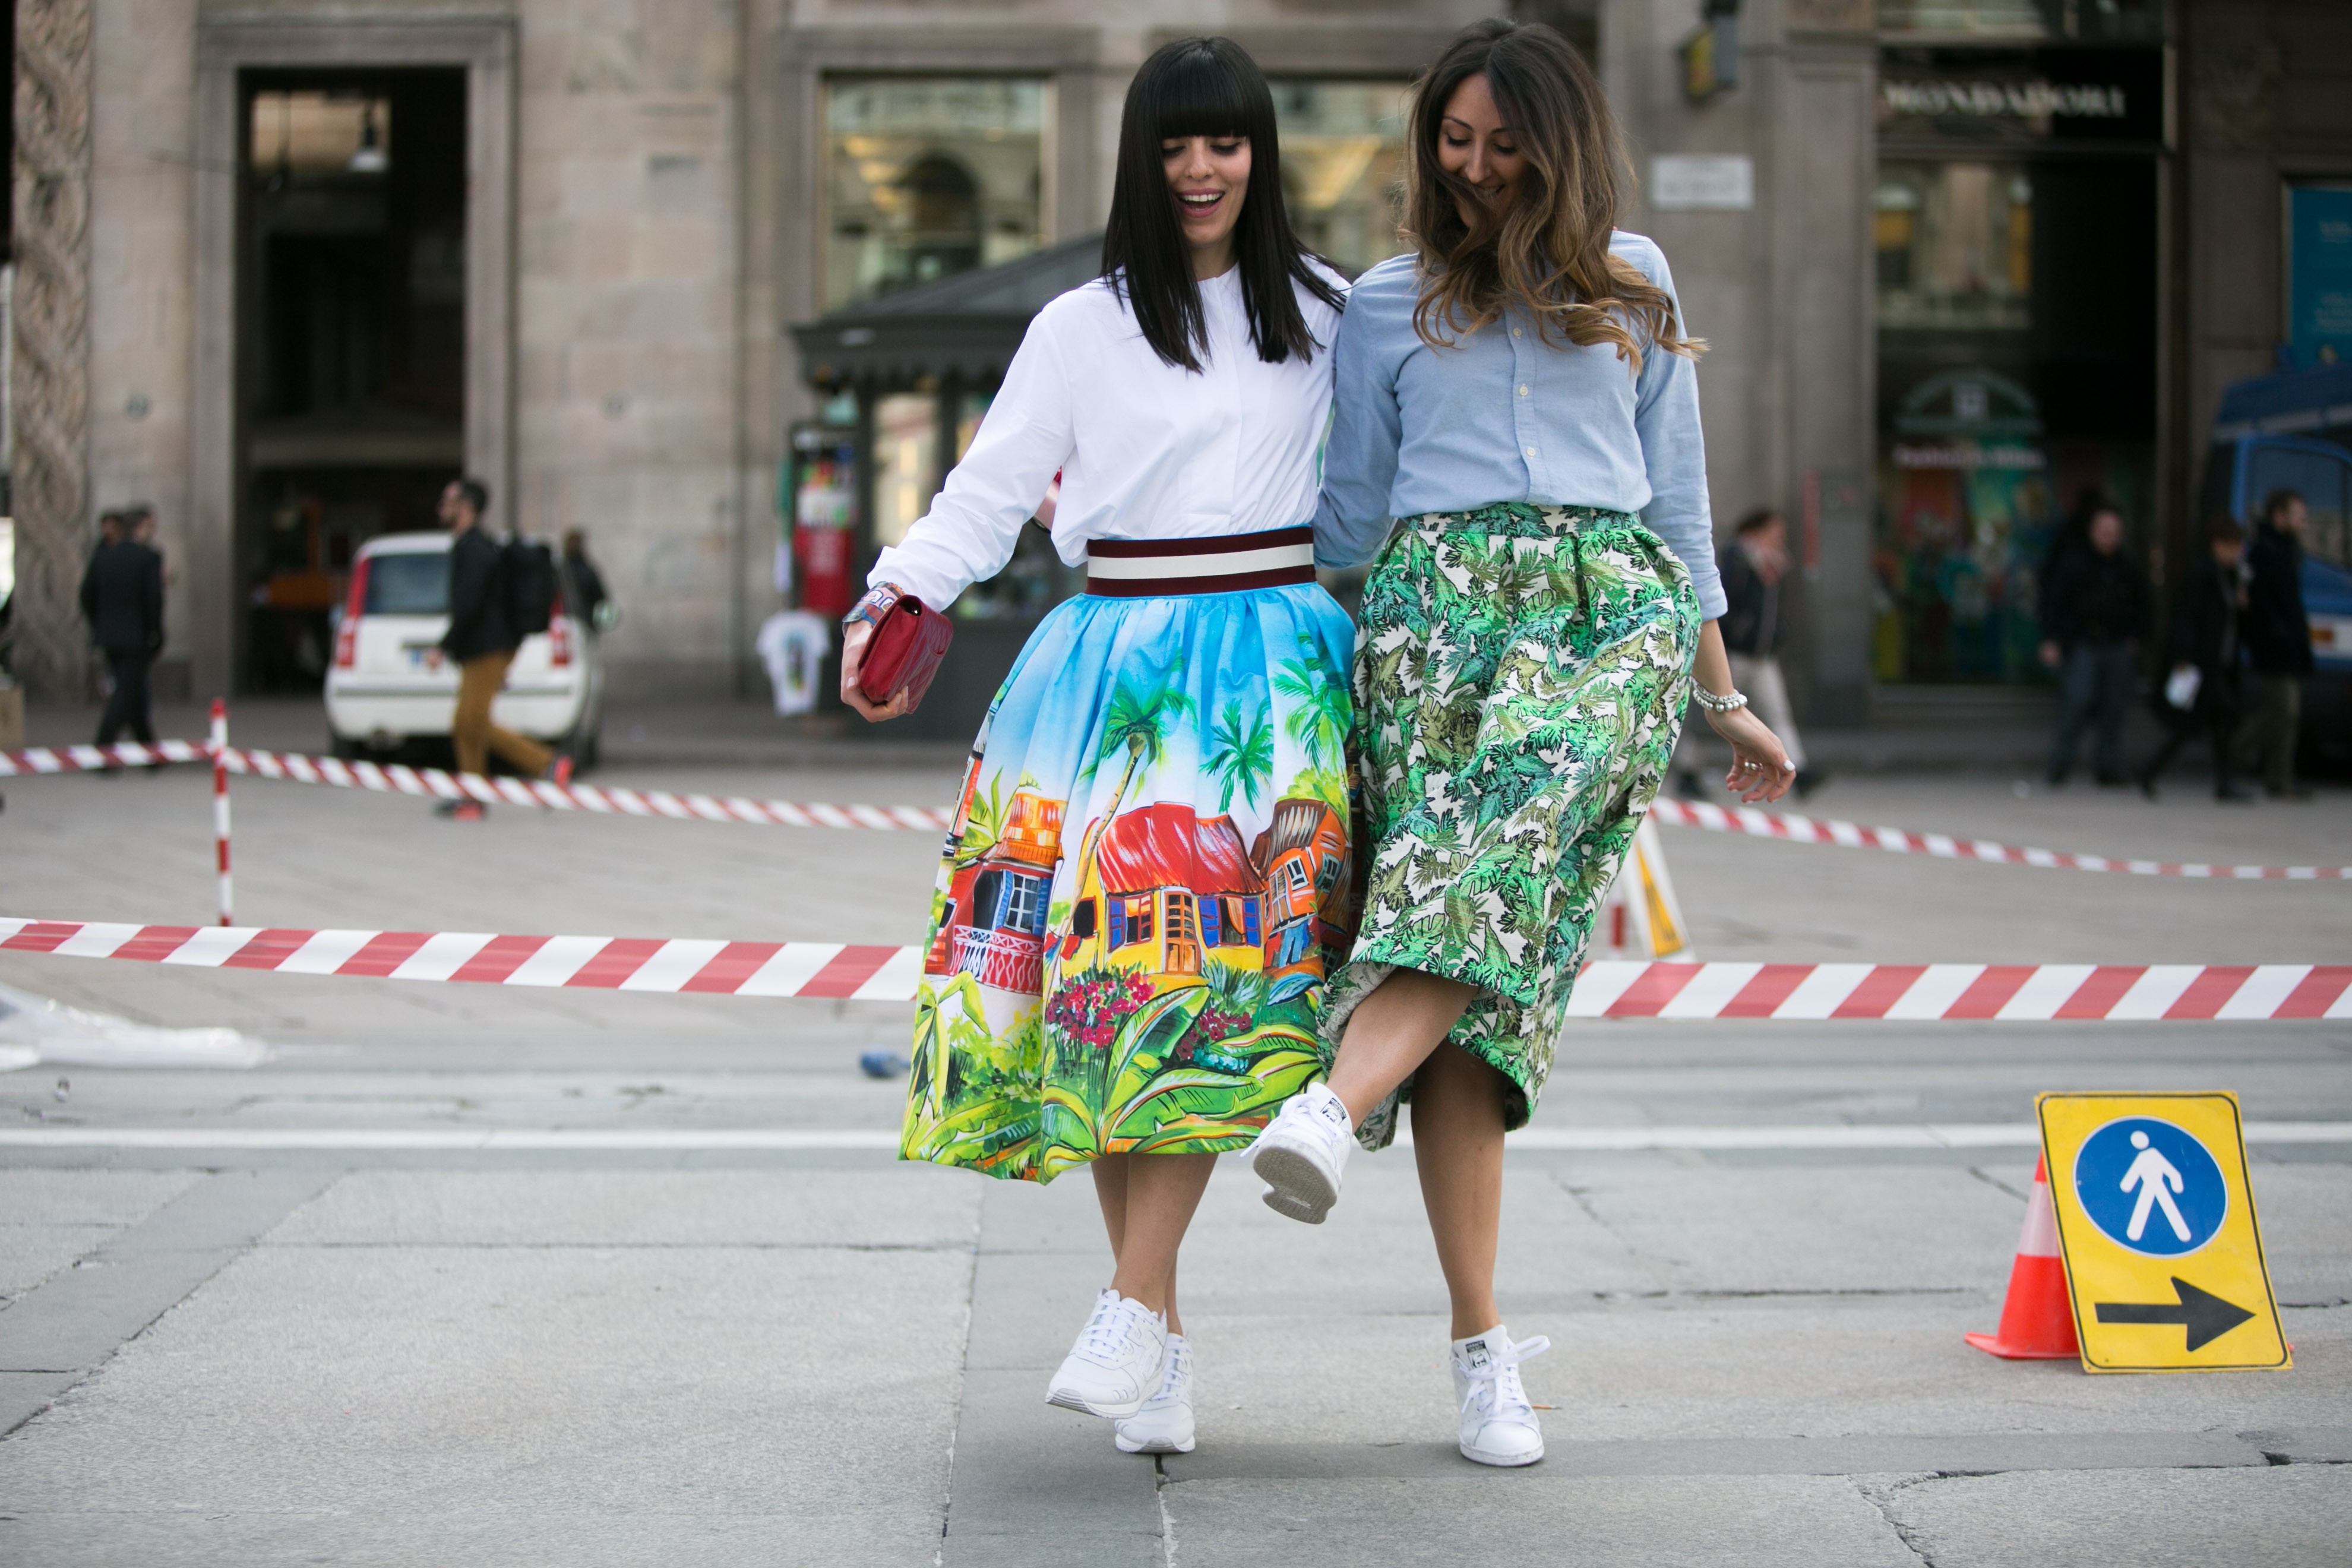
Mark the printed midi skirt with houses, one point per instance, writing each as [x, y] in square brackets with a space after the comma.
[1144, 886]
[1518, 693]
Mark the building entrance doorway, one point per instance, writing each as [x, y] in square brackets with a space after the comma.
[350, 340]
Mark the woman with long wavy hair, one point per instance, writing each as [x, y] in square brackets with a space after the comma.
[1127, 939]
[1516, 438]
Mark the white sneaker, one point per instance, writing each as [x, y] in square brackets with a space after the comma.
[1164, 1424]
[1499, 1423]
[1302, 1153]
[1120, 1361]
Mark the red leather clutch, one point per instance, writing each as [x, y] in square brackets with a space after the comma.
[908, 643]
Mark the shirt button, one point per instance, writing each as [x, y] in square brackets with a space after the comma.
[1523, 389]
[1515, 331]
[1531, 452]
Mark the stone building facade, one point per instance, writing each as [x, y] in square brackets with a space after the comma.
[652, 198]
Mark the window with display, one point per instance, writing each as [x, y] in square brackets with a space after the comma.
[928, 176]
[1342, 166]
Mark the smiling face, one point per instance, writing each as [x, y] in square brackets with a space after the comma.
[1209, 176]
[1476, 148]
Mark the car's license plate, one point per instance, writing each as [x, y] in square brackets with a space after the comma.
[417, 654]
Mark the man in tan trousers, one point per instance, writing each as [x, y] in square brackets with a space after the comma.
[482, 640]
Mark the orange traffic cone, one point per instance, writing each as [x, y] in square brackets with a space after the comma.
[2037, 1321]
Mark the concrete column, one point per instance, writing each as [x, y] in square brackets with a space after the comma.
[49, 368]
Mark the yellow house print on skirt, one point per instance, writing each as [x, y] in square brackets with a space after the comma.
[1141, 974]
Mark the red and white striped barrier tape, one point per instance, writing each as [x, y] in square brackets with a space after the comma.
[863, 974]
[1996, 992]
[89, 759]
[1817, 992]
[437, 784]
[1796, 829]
[397, 779]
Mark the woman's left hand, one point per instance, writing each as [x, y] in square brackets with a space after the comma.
[1760, 771]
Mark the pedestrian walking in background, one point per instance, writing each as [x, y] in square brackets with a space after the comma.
[2095, 611]
[2278, 635]
[482, 641]
[1516, 440]
[123, 599]
[2200, 647]
[1147, 869]
[584, 585]
[1753, 627]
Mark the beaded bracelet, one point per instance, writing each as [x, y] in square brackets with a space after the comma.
[1729, 703]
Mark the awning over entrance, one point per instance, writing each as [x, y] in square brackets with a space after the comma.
[963, 328]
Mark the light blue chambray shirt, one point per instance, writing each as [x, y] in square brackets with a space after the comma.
[1502, 415]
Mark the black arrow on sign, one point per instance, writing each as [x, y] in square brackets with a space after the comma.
[2206, 1316]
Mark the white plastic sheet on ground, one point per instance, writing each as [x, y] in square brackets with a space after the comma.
[36, 1029]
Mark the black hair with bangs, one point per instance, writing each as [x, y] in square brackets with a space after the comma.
[1204, 87]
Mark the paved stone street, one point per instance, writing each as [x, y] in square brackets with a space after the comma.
[394, 1338]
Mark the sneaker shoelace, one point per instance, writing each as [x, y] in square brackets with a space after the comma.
[1110, 1330]
[1499, 1381]
[1179, 1367]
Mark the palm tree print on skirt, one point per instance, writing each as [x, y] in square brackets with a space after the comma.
[1518, 693]
[1145, 885]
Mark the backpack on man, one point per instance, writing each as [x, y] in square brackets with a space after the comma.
[529, 578]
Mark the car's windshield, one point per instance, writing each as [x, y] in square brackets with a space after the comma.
[409, 582]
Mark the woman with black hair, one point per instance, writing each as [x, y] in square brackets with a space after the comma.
[1517, 440]
[1148, 867]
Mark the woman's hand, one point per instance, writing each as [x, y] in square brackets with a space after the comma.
[852, 655]
[1759, 764]
[1759, 773]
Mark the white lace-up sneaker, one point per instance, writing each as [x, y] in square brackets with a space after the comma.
[1164, 1424]
[1302, 1153]
[1499, 1423]
[1120, 1361]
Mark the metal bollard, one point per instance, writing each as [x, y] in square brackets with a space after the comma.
[220, 800]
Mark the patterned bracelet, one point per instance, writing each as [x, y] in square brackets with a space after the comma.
[874, 606]
[1729, 703]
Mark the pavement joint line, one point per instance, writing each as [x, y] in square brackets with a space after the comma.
[1904, 1458]
[65, 1328]
[1575, 1140]
[1744, 991]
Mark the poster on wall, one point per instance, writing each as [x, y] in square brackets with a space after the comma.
[2320, 275]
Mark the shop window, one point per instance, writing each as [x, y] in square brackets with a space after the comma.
[905, 461]
[1955, 244]
[930, 176]
[1342, 166]
[2024, 19]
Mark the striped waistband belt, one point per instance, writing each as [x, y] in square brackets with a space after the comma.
[1147, 568]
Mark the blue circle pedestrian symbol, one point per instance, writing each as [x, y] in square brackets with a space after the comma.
[2150, 1187]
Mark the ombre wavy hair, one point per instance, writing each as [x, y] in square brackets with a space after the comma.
[1547, 252]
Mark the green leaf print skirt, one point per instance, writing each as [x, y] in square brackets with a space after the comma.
[1519, 681]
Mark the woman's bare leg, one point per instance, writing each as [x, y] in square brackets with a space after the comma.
[1147, 1203]
[1457, 1143]
[1399, 1032]
[1390, 1033]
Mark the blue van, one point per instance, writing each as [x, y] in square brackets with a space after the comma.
[2293, 431]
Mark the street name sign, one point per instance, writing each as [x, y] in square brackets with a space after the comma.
[2156, 1222]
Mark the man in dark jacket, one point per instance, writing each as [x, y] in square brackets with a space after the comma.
[2201, 650]
[123, 597]
[1753, 627]
[2278, 640]
[481, 638]
[2095, 604]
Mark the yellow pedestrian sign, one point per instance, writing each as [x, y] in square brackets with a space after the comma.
[2156, 1221]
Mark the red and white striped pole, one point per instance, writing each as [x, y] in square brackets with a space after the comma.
[220, 800]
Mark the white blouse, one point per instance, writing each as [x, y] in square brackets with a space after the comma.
[1146, 449]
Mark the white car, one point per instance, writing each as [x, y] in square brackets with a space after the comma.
[385, 688]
